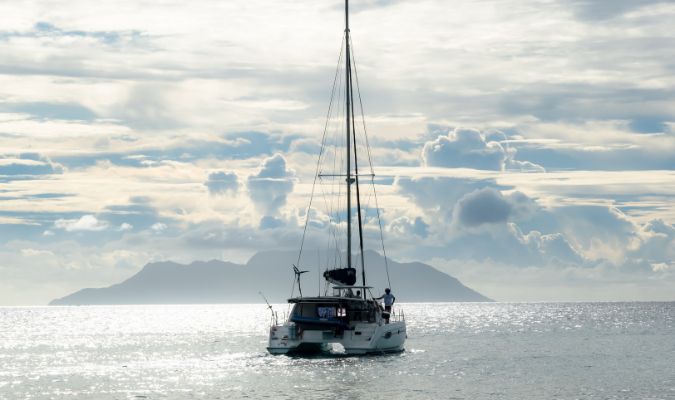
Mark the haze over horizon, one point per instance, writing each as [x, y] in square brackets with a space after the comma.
[526, 148]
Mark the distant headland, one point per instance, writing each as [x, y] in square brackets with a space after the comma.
[270, 273]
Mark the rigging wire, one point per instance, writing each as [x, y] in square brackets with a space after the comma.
[370, 160]
[335, 220]
[363, 118]
[318, 163]
[332, 202]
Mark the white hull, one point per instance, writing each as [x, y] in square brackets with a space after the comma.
[362, 338]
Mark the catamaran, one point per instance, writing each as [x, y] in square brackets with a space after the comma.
[349, 320]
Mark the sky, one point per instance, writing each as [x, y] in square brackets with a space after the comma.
[525, 147]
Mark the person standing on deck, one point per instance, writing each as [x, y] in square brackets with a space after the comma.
[389, 300]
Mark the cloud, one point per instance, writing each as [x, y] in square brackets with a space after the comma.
[654, 153]
[47, 111]
[85, 223]
[125, 227]
[27, 166]
[137, 106]
[305, 145]
[269, 222]
[158, 227]
[486, 221]
[405, 227]
[600, 232]
[483, 206]
[657, 244]
[464, 148]
[137, 213]
[594, 10]
[271, 185]
[554, 248]
[28, 252]
[439, 195]
[470, 148]
[47, 29]
[148, 106]
[222, 182]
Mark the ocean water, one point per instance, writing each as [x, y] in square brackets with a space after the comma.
[454, 351]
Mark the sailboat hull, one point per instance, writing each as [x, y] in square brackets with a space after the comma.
[367, 338]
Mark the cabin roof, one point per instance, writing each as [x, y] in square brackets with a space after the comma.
[327, 299]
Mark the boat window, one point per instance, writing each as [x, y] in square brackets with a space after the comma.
[305, 310]
[326, 312]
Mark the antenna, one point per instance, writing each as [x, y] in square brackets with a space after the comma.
[298, 273]
[268, 304]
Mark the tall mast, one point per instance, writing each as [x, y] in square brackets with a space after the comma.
[358, 194]
[349, 98]
[348, 85]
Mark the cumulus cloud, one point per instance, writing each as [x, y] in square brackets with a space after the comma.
[471, 148]
[464, 148]
[590, 114]
[486, 222]
[125, 227]
[85, 223]
[657, 244]
[158, 227]
[553, 248]
[405, 226]
[600, 232]
[441, 193]
[221, 182]
[483, 206]
[271, 185]
[269, 222]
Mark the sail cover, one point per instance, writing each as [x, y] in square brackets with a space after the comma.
[341, 276]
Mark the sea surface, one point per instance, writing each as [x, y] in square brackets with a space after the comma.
[454, 351]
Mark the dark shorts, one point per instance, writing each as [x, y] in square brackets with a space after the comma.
[387, 308]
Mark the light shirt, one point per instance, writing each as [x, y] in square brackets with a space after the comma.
[388, 299]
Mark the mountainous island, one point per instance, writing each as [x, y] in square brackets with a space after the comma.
[269, 273]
